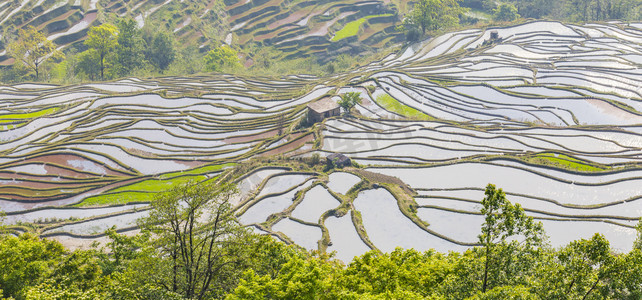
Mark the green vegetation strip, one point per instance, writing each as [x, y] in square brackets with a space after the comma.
[564, 161]
[197, 171]
[391, 104]
[143, 191]
[352, 28]
[30, 115]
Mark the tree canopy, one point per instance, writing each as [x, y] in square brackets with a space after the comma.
[32, 49]
[192, 248]
[349, 100]
[162, 53]
[506, 12]
[221, 57]
[103, 39]
[430, 15]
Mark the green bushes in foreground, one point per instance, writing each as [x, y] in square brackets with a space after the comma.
[212, 257]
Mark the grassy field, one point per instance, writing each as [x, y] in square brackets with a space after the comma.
[197, 171]
[143, 191]
[118, 198]
[564, 161]
[352, 28]
[391, 104]
[30, 115]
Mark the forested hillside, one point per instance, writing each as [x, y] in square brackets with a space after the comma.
[288, 28]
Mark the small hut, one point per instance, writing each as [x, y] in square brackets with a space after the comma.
[339, 160]
[324, 108]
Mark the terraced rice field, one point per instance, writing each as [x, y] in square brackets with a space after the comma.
[299, 29]
[551, 113]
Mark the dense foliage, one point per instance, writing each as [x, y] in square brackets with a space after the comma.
[199, 252]
[123, 49]
[565, 10]
[429, 15]
[349, 100]
[433, 16]
[221, 58]
[32, 49]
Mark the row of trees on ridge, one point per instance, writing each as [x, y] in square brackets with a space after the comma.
[111, 51]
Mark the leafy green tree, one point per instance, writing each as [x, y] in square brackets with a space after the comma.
[506, 231]
[429, 15]
[349, 100]
[88, 63]
[299, 278]
[221, 57]
[49, 291]
[77, 276]
[201, 243]
[506, 12]
[67, 70]
[415, 274]
[585, 269]
[2, 225]
[628, 282]
[507, 292]
[32, 49]
[25, 261]
[637, 244]
[129, 48]
[103, 40]
[162, 52]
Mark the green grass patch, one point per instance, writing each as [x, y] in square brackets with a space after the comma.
[11, 126]
[118, 198]
[352, 28]
[391, 104]
[197, 171]
[159, 185]
[30, 115]
[565, 161]
[143, 191]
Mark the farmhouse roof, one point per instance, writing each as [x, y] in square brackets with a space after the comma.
[323, 105]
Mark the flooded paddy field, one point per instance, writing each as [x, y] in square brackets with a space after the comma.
[549, 112]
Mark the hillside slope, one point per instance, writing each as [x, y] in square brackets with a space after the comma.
[297, 28]
[551, 112]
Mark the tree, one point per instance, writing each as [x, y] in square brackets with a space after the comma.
[537, 8]
[581, 269]
[280, 124]
[637, 244]
[88, 63]
[103, 39]
[25, 261]
[429, 15]
[2, 226]
[506, 12]
[221, 57]
[299, 278]
[32, 49]
[129, 49]
[349, 100]
[503, 220]
[162, 51]
[200, 244]
[408, 271]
